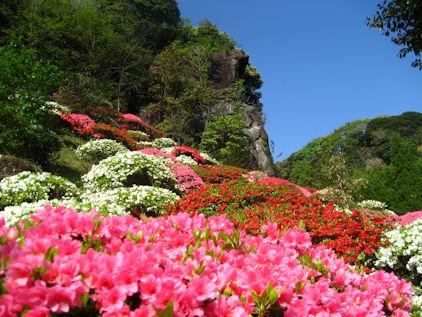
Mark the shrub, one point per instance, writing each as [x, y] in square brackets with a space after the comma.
[81, 123]
[208, 159]
[250, 205]
[403, 256]
[127, 169]
[279, 181]
[186, 177]
[130, 121]
[138, 135]
[218, 174]
[156, 152]
[373, 205]
[185, 150]
[30, 187]
[224, 140]
[106, 131]
[87, 265]
[135, 200]
[187, 160]
[163, 142]
[104, 114]
[158, 143]
[409, 217]
[97, 150]
[26, 128]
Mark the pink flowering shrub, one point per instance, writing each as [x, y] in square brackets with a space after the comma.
[186, 177]
[156, 152]
[188, 151]
[82, 123]
[130, 121]
[408, 218]
[66, 262]
[279, 181]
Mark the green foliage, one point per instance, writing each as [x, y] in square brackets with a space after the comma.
[369, 151]
[25, 125]
[224, 140]
[401, 20]
[400, 183]
[106, 47]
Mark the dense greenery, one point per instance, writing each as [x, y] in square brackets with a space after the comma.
[402, 21]
[132, 55]
[383, 156]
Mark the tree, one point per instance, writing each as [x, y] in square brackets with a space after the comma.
[402, 21]
[400, 183]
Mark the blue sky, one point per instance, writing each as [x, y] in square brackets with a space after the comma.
[321, 65]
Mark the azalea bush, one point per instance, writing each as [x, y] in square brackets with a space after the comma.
[209, 159]
[251, 205]
[130, 121]
[188, 151]
[81, 123]
[97, 150]
[186, 177]
[158, 143]
[218, 174]
[138, 135]
[129, 168]
[187, 160]
[65, 262]
[135, 200]
[403, 256]
[107, 131]
[33, 186]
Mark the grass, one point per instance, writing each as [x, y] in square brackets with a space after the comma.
[65, 163]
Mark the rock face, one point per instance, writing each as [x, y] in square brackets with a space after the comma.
[225, 69]
[10, 165]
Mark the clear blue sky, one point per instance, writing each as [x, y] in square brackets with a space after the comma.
[321, 65]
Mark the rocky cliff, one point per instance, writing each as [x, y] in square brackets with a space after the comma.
[226, 68]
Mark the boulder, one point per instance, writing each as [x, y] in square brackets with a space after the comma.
[10, 165]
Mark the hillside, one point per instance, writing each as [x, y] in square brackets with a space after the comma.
[385, 153]
[138, 57]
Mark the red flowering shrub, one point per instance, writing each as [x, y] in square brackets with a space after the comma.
[130, 121]
[251, 205]
[188, 151]
[81, 123]
[106, 131]
[216, 174]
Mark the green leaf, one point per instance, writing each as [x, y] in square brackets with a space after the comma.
[166, 312]
[51, 253]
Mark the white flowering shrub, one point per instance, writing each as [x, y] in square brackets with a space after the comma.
[138, 135]
[168, 150]
[55, 108]
[14, 214]
[127, 169]
[126, 200]
[97, 150]
[373, 205]
[403, 256]
[31, 187]
[209, 160]
[158, 143]
[187, 160]
[163, 142]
